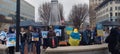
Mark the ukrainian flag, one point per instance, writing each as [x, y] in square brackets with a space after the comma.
[74, 39]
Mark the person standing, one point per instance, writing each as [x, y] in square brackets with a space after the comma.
[87, 34]
[29, 38]
[75, 38]
[45, 40]
[11, 47]
[53, 41]
[3, 35]
[23, 36]
[113, 40]
[106, 33]
[38, 40]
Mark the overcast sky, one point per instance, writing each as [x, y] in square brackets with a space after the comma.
[67, 4]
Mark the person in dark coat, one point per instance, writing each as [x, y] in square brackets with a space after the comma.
[52, 35]
[38, 42]
[112, 40]
[11, 48]
[87, 34]
[23, 36]
[29, 38]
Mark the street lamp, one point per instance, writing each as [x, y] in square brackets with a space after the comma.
[17, 24]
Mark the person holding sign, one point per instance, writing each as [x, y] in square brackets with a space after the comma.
[45, 39]
[23, 36]
[3, 35]
[58, 32]
[38, 40]
[11, 40]
[53, 41]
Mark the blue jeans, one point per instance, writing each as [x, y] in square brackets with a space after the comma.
[22, 47]
[29, 47]
[38, 48]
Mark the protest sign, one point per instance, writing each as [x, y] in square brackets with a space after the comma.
[3, 35]
[44, 34]
[69, 30]
[11, 40]
[58, 32]
[100, 30]
[35, 36]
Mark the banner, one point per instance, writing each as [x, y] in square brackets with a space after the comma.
[69, 30]
[35, 36]
[58, 32]
[44, 34]
[100, 30]
[11, 40]
[3, 35]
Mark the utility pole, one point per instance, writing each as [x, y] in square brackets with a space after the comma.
[17, 24]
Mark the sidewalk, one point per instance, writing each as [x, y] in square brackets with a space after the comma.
[17, 52]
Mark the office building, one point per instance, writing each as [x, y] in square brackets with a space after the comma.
[8, 11]
[109, 10]
[8, 8]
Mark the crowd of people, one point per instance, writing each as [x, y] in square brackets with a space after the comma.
[77, 37]
[25, 38]
[89, 36]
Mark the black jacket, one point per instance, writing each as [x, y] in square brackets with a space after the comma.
[112, 39]
[29, 37]
[23, 37]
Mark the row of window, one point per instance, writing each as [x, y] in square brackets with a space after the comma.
[111, 15]
[111, 9]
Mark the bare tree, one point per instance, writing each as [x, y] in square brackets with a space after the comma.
[44, 11]
[78, 14]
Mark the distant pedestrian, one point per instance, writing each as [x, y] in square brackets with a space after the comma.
[29, 38]
[23, 37]
[11, 48]
[3, 35]
[113, 41]
[53, 41]
[106, 34]
[75, 38]
[38, 40]
[87, 35]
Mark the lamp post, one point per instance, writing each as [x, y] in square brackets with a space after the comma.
[17, 24]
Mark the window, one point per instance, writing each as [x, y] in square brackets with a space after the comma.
[110, 8]
[111, 14]
[118, 8]
[115, 14]
[110, 2]
[117, 1]
[115, 8]
[118, 14]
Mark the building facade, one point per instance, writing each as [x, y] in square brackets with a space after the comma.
[92, 13]
[109, 10]
[8, 9]
[8, 12]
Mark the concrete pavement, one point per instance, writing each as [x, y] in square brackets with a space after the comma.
[90, 49]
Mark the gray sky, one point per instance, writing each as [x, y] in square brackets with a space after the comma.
[67, 4]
